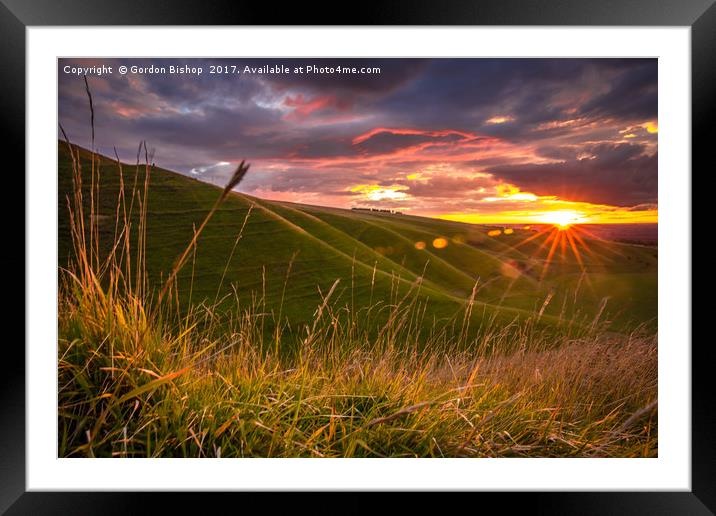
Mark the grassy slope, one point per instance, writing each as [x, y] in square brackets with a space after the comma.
[374, 255]
[131, 384]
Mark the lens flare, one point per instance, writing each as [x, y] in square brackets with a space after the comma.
[440, 243]
[562, 219]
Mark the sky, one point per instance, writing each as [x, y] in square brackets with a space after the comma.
[475, 140]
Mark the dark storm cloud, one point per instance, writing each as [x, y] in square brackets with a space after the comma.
[618, 175]
[532, 90]
[551, 126]
[632, 96]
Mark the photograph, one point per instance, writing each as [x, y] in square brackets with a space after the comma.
[449, 257]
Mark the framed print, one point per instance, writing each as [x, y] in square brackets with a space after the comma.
[425, 251]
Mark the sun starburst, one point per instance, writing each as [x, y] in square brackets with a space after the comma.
[562, 219]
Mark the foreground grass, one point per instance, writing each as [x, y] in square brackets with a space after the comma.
[130, 387]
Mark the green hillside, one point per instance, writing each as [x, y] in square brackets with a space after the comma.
[290, 253]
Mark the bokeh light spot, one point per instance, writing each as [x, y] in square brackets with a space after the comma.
[440, 243]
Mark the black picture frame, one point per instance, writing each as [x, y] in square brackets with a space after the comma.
[17, 15]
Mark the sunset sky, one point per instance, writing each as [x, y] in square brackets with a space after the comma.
[475, 140]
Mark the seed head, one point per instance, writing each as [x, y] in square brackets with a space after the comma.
[235, 178]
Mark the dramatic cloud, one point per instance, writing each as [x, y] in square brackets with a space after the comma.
[486, 138]
[617, 174]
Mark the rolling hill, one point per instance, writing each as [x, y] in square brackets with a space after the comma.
[289, 254]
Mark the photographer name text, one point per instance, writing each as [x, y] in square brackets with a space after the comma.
[310, 69]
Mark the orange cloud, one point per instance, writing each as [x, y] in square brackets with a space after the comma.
[406, 131]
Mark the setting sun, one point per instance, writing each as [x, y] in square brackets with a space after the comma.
[562, 218]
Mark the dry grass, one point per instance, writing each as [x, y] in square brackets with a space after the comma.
[188, 394]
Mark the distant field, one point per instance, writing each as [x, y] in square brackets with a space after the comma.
[289, 251]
